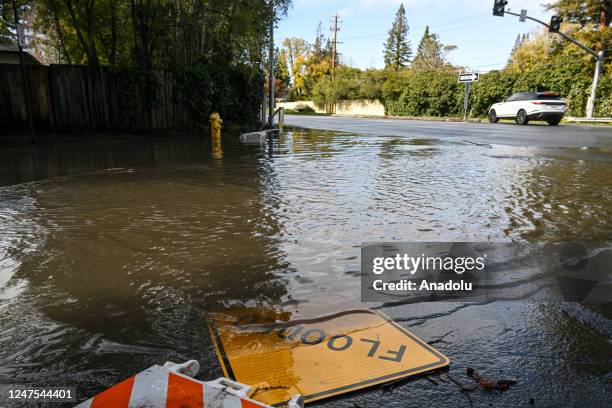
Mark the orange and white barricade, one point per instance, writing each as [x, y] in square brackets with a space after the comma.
[168, 387]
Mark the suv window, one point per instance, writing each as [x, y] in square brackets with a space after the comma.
[523, 96]
[527, 96]
[549, 97]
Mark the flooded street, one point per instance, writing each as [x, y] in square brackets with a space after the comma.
[111, 253]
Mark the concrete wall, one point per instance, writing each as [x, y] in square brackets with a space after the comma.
[292, 105]
[346, 108]
[360, 108]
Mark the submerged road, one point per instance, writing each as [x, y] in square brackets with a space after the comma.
[536, 134]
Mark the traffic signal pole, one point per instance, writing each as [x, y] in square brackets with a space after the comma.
[599, 56]
[593, 95]
[567, 37]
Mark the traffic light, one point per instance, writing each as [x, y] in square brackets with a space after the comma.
[555, 24]
[499, 7]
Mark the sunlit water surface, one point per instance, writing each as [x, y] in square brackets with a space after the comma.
[112, 251]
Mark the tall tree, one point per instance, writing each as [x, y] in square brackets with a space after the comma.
[281, 72]
[422, 43]
[588, 13]
[431, 53]
[584, 11]
[298, 51]
[398, 51]
[151, 34]
[317, 48]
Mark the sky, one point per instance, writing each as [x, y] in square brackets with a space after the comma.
[484, 41]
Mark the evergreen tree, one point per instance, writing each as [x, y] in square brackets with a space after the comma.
[318, 44]
[328, 50]
[422, 44]
[281, 68]
[517, 42]
[397, 51]
[431, 53]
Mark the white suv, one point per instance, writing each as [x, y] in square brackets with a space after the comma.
[526, 106]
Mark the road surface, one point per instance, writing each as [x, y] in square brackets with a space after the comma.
[538, 135]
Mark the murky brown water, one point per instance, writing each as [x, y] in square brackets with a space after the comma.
[111, 250]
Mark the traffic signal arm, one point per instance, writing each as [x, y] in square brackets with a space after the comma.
[567, 37]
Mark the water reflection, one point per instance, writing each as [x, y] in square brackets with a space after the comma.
[217, 148]
[110, 271]
[562, 200]
[108, 261]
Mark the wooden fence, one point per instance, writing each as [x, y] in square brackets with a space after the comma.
[76, 98]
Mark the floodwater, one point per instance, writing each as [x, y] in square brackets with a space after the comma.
[111, 252]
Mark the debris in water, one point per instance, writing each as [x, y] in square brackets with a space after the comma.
[488, 384]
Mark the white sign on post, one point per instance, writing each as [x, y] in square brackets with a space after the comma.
[21, 41]
[469, 77]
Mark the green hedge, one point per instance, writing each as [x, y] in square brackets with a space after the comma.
[235, 92]
[440, 94]
[423, 94]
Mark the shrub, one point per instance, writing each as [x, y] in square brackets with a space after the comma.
[234, 92]
[303, 108]
[423, 94]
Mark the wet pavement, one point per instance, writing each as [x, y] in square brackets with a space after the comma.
[112, 251]
[536, 134]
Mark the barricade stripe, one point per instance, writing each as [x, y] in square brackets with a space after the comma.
[115, 397]
[85, 404]
[150, 389]
[184, 393]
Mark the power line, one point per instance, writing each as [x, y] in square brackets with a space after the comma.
[479, 16]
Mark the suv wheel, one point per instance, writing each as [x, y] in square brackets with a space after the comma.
[521, 117]
[554, 122]
[493, 116]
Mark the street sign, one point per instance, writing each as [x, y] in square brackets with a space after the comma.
[317, 358]
[523, 16]
[21, 40]
[469, 77]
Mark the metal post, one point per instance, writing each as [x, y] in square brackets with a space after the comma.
[591, 102]
[24, 75]
[466, 99]
[262, 111]
[271, 101]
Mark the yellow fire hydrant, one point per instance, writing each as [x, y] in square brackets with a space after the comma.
[215, 134]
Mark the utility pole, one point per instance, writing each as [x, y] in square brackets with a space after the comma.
[271, 97]
[499, 10]
[335, 28]
[24, 75]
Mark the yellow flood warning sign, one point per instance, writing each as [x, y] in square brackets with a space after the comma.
[317, 358]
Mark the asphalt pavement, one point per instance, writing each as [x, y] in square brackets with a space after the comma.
[535, 134]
